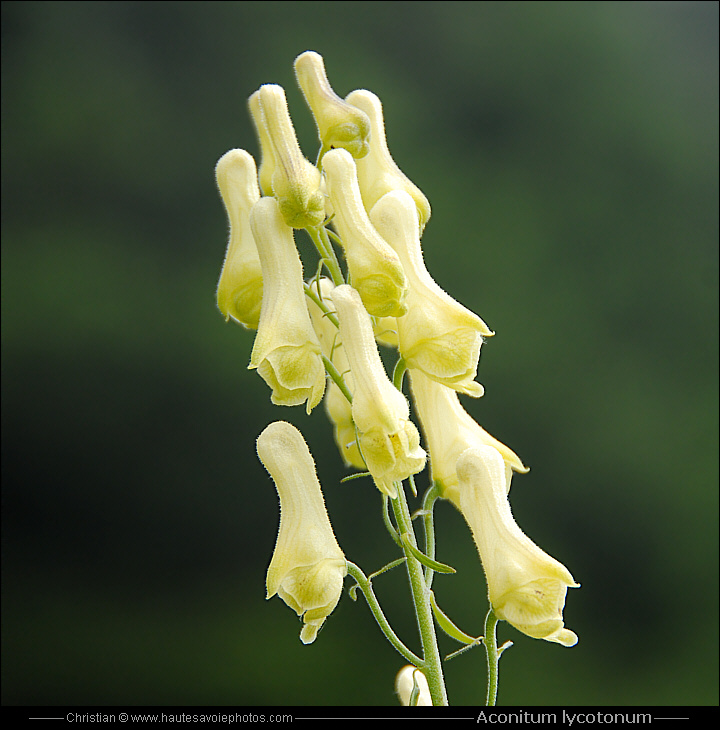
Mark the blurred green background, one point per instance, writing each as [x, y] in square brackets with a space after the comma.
[569, 151]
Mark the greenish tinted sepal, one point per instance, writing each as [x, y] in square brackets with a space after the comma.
[398, 375]
[415, 694]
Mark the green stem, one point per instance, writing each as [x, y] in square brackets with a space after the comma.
[388, 524]
[374, 605]
[428, 508]
[312, 293]
[340, 279]
[332, 371]
[327, 253]
[491, 650]
[431, 664]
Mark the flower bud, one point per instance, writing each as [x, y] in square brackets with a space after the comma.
[449, 430]
[389, 441]
[526, 587]
[295, 180]
[374, 267]
[308, 566]
[377, 172]
[339, 124]
[240, 289]
[408, 678]
[438, 335]
[286, 352]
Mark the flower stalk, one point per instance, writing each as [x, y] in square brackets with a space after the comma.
[318, 340]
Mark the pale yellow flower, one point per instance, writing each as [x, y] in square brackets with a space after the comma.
[295, 180]
[375, 269]
[378, 173]
[449, 430]
[437, 335]
[388, 439]
[526, 587]
[286, 352]
[308, 566]
[408, 677]
[339, 123]
[239, 292]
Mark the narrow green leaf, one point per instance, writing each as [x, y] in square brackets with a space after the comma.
[506, 645]
[358, 475]
[424, 559]
[462, 650]
[448, 626]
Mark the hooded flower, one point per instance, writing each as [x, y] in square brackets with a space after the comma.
[388, 439]
[377, 172]
[374, 267]
[239, 292]
[295, 180]
[286, 352]
[437, 335]
[526, 587]
[449, 430]
[339, 123]
[308, 566]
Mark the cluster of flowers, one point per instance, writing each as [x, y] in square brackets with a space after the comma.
[309, 330]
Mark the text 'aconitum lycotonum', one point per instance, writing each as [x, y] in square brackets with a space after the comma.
[318, 329]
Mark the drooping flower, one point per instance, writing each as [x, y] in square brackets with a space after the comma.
[388, 439]
[308, 566]
[375, 269]
[526, 587]
[449, 430]
[295, 180]
[410, 677]
[437, 335]
[239, 292]
[378, 173]
[339, 123]
[286, 352]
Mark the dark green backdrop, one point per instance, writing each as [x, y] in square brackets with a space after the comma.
[569, 151]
